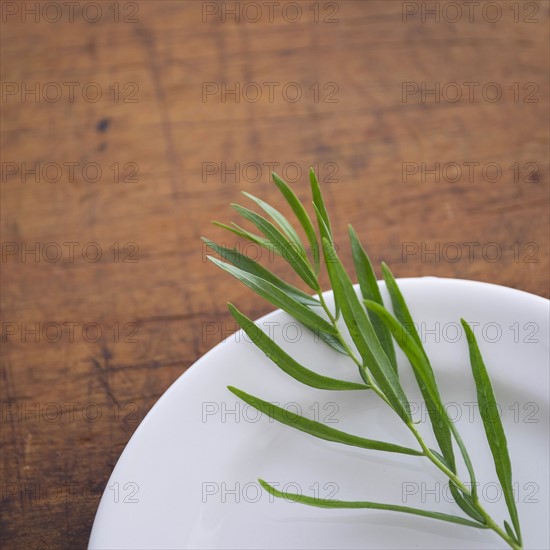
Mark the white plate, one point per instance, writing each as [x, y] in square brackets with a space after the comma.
[187, 478]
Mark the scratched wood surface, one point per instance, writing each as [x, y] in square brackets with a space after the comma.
[135, 131]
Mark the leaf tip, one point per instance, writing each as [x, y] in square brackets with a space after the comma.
[267, 487]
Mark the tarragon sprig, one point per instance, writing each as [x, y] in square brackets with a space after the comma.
[373, 329]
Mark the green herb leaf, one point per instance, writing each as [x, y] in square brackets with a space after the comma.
[284, 224]
[406, 342]
[510, 531]
[302, 216]
[370, 291]
[465, 503]
[400, 307]
[287, 363]
[246, 264]
[329, 503]
[372, 329]
[426, 378]
[279, 298]
[282, 246]
[322, 214]
[325, 234]
[441, 430]
[362, 333]
[317, 429]
[440, 457]
[493, 426]
[241, 232]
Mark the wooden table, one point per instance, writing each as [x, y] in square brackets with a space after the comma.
[127, 129]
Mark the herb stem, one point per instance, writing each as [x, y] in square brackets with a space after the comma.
[427, 452]
[334, 322]
[367, 378]
[457, 481]
[371, 337]
[495, 527]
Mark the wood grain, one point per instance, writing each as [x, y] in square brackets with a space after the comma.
[71, 400]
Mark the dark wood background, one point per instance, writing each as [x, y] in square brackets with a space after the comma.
[150, 305]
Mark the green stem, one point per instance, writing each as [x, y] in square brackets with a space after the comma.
[427, 452]
[338, 333]
[492, 525]
[362, 370]
[457, 481]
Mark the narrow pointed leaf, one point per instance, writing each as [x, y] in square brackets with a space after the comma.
[284, 224]
[285, 362]
[318, 325]
[493, 426]
[399, 305]
[285, 248]
[465, 503]
[440, 457]
[247, 264]
[282, 299]
[325, 234]
[332, 341]
[330, 503]
[301, 215]
[241, 232]
[406, 342]
[317, 429]
[279, 298]
[426, 378]
[320, 204]
[362, 333]
[440, 428]
[510, 531]
[370, 291]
